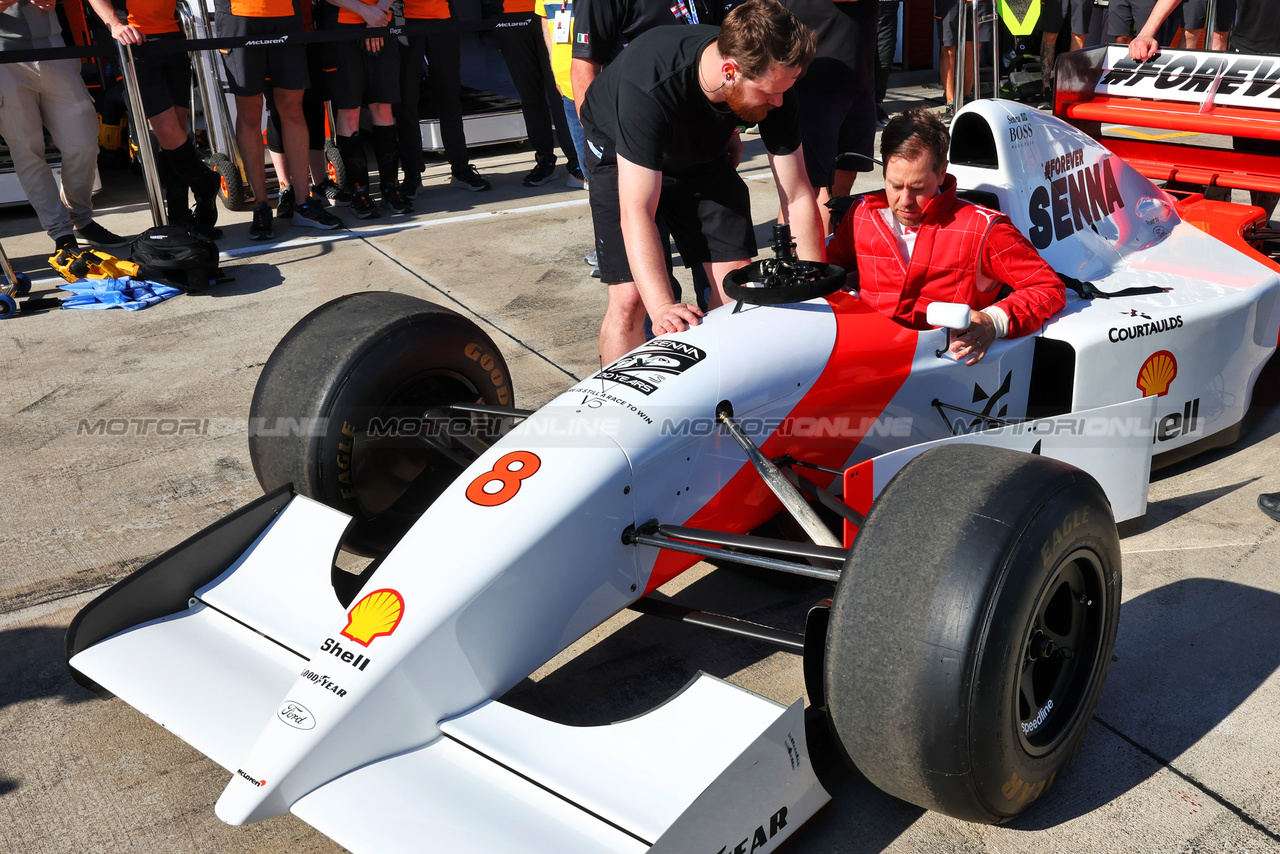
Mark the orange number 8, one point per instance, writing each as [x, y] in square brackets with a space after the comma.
[504, 473]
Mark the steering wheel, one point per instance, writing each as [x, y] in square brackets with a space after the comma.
[783, 278]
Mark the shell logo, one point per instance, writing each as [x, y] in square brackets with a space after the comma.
[374, 616]
[1157, 373]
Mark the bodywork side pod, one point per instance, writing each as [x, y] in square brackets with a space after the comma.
[1112, 443]
[165, 585]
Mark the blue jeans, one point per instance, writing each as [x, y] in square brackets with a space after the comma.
[575, 128]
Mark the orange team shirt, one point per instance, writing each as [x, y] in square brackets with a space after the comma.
[263, 8]
[515, 6]
[348, 17]
[153, 17]
[420, 10]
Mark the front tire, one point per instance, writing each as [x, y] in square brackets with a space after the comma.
[972, 630]
[339, 409]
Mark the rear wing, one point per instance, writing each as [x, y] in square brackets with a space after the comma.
[1195, 92]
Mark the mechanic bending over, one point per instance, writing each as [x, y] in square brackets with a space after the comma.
[917, 243]
[658, 121]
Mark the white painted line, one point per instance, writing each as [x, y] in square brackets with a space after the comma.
[1186, 548]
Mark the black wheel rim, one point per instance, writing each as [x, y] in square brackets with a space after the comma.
[405, 418]
[1060, 650]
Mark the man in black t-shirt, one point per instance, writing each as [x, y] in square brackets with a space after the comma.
[602, 28]
[657, 124]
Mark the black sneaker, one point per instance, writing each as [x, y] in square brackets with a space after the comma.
[98, 236]
[66, 241]
[260, 228]
[410, 186]
[543, 171]
[362, 206]
[1269, 503]
[310, 213]
[286, 205]
[576, 179]
[331, 192]
[468, 178]
[394, 198]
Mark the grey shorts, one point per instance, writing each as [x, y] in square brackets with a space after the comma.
[1194, 13]
[947, 14]
[1054, 13]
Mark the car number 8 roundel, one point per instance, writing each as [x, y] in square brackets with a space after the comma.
[509, 471]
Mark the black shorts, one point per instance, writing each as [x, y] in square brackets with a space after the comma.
[164, 79]
[708, 211]
[947, 14]
[250, 70]
[357, 77]
[832, 124]
[1054, 13]
[1126, 17]
[1194, 13]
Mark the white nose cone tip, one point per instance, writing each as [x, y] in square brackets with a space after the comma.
[247, 799]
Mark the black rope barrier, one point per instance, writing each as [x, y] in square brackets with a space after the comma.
[409, 28]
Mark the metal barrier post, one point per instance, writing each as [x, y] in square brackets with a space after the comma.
[222, 137]
[142, 132]
[961, 54]
[970, 8]
[1210, 19]
[995, 49]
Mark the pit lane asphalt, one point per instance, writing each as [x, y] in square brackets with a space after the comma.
[1181, 757]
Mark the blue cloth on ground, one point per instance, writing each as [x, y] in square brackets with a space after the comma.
[129, 294]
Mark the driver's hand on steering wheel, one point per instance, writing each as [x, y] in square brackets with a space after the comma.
[971, 345]
[675, 317]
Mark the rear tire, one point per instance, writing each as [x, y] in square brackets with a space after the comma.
[942, 680]
[372, 359]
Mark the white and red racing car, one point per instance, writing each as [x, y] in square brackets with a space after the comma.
[967, 517]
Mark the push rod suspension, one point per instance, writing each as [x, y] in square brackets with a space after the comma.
[781, 487]
[486, 409]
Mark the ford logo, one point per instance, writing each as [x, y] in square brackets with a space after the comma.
[296, 715]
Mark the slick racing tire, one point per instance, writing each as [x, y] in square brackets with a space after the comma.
[341, 410]
[972, 629]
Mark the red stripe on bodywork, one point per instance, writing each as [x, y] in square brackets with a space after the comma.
[868, 364]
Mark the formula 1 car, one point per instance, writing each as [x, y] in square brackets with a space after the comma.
[967, 516]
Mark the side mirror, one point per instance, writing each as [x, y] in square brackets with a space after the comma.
[948, 315]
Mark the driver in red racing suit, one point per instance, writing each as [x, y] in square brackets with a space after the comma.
[917, 243]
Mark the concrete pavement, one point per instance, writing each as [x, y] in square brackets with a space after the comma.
[1182, 756]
